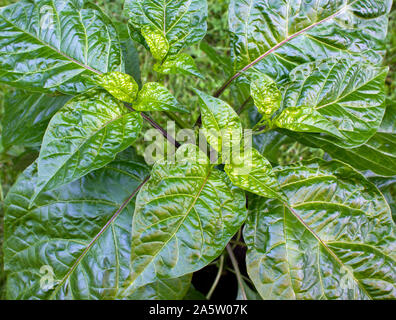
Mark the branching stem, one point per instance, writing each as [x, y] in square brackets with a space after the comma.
[237, 271]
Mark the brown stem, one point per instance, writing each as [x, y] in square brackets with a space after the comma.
[156, 126]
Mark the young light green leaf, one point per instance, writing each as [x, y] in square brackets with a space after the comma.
[156, 41]
[350, 95]
[285, 34]
[169, 26]
[155, 97]
[83, 136]
[120, 85]
[252, 172]
[335, 240]
[180, 64]
[48, 45]
[220, 123]
[266, 95]
[75, 242]
[184, 217]
[26, 117]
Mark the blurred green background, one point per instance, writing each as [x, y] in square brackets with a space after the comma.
[14, 160]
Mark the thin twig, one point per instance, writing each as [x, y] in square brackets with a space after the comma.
[156, 126]
[237, 272]
[217, 279]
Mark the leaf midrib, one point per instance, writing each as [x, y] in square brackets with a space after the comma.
[288, 39]
[324, 245]
[189, 209]
[81, 64]
[97, 236]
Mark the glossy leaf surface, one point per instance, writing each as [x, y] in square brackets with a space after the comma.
[220, 123]
[120, 85]
[81, 232]
[266, 95]
[84, 135]
[340, 98]
[26, 117]
[377, 155]
[252, 172]
[155, 97]
[180, 64]
[289, 33]
[48, 45]
[335, 240]
[184, 217]
[167, 26]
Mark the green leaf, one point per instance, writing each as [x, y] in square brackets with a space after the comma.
[82, 232]
[252, 172]
[334, 240]
[377, 155]
[155, 97]
[132, 61]
[168, 26]
[26, 117]
[266, 95]
[271, 144]
[194, 294]
[47, 45]
[288, 33]
[250, 294]
[180, 64]
[184, 217]
[387, 186]
[83, 136]
[120, 85]
[338, 97]
[221, 125]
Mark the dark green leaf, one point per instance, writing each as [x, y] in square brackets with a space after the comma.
[184, 217]
[26, 117]
[341, 98]
[83, 136]
[47, 45]
[82, 232]
[289, 33]
[387, 186]
[334, 240]
[377, 155]
[250, 294]
[194, 294]
[132, 62]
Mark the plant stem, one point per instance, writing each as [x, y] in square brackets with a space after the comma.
[217, 279]
[156, 126]
[179, 122]
[237, 272]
